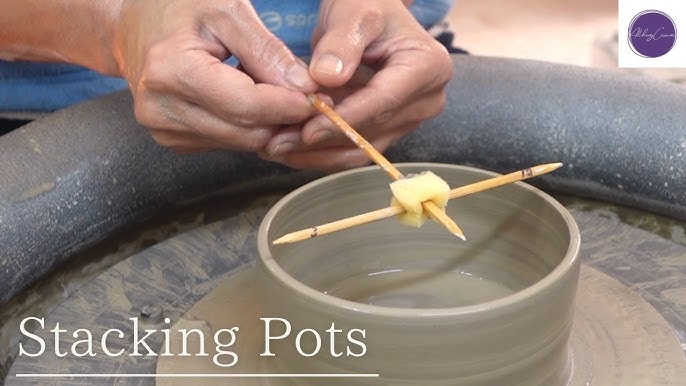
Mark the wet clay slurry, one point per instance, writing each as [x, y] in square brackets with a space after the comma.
[415, 288]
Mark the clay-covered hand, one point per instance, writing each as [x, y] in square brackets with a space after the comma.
[385, 73]
[172, 53]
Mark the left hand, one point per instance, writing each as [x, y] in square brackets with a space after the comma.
[385, 73]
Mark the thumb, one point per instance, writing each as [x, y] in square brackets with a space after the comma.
[343, 33]
[263, 56]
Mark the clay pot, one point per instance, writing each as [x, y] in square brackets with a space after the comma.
[420, 305]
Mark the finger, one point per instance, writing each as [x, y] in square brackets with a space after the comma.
[371, 105]
[333, 159]
[320, 131]
[328, 160]
[392, 129]
[345, 34]
[383, 136]
[412, 63]
[284, 141]
[265, 57]
[182, 141]
[359, 79]
[289, 138]
[226, 92]
[175, 121]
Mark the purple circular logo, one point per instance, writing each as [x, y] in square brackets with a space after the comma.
[652, 34]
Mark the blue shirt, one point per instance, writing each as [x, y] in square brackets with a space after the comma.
[28, 86]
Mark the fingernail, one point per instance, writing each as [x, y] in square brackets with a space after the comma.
[282, 148]
[321, 136]
[298, 75]
[268, 157]
[329, 64]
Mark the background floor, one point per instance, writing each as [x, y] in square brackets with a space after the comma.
[580, 32]
[550, 30]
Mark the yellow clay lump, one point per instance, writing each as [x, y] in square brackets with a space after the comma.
[412, 191]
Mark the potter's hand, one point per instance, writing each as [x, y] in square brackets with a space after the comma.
[400, 84]
[171, 53]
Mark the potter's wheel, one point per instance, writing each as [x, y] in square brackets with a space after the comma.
[624, 334]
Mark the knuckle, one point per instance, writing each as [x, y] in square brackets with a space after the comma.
[442, 63]
[245, 117]
[371, 17]
[190, 74]
[436, 66]
[238, 9]
[242, 111]
[162, 138]
[164, 69]
[257, 140]
[144, 112]
[389, 106]
[278, 54]
[153, 72]
[439, 105]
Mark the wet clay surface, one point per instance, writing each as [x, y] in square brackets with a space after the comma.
[176, 274]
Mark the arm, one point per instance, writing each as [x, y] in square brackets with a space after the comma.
[36, 30]
[171, 52]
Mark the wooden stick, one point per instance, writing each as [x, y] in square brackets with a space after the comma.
[504, 179]
[380, 160]
[395, 210]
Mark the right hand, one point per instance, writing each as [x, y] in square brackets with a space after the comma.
[384, 71]
[172, 52]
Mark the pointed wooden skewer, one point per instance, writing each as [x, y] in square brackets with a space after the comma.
[380, 160]
[395, 210]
